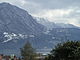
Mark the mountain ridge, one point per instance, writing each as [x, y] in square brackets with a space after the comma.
[51, 25]
[15, 19]
[17, 27]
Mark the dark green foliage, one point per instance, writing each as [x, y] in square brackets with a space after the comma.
[67, 51]
[28, 52]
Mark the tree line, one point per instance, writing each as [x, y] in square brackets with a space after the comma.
[69, 50]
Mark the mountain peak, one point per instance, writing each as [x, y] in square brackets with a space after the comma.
[15, 19]
[8, 7]
[5, 3]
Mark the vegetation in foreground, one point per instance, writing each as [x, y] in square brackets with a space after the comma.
[65, 51]
[69, 50]
[28, 52]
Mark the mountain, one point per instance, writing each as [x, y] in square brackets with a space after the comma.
[50, 25]
[16, 20]
[55, 33]
[16, 26]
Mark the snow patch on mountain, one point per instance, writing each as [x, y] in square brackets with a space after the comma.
[13, 36]
[50, 25]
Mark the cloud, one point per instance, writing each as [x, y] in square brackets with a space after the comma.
[63, 11]
[68, 15]
[54, 13]
[50, 4]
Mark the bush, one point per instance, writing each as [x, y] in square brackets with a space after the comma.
[66, 51]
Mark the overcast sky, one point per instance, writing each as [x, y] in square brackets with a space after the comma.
[61, 11]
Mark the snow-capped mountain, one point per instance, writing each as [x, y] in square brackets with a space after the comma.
[17, 26]
[50, 25]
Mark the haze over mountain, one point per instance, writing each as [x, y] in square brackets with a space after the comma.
[50, 25]
[17, 26]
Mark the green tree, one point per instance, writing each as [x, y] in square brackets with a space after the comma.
[28, 52]
[66, 51]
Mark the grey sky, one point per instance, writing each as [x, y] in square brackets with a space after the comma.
[66, 11]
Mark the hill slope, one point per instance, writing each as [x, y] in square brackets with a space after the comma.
[16, 20]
